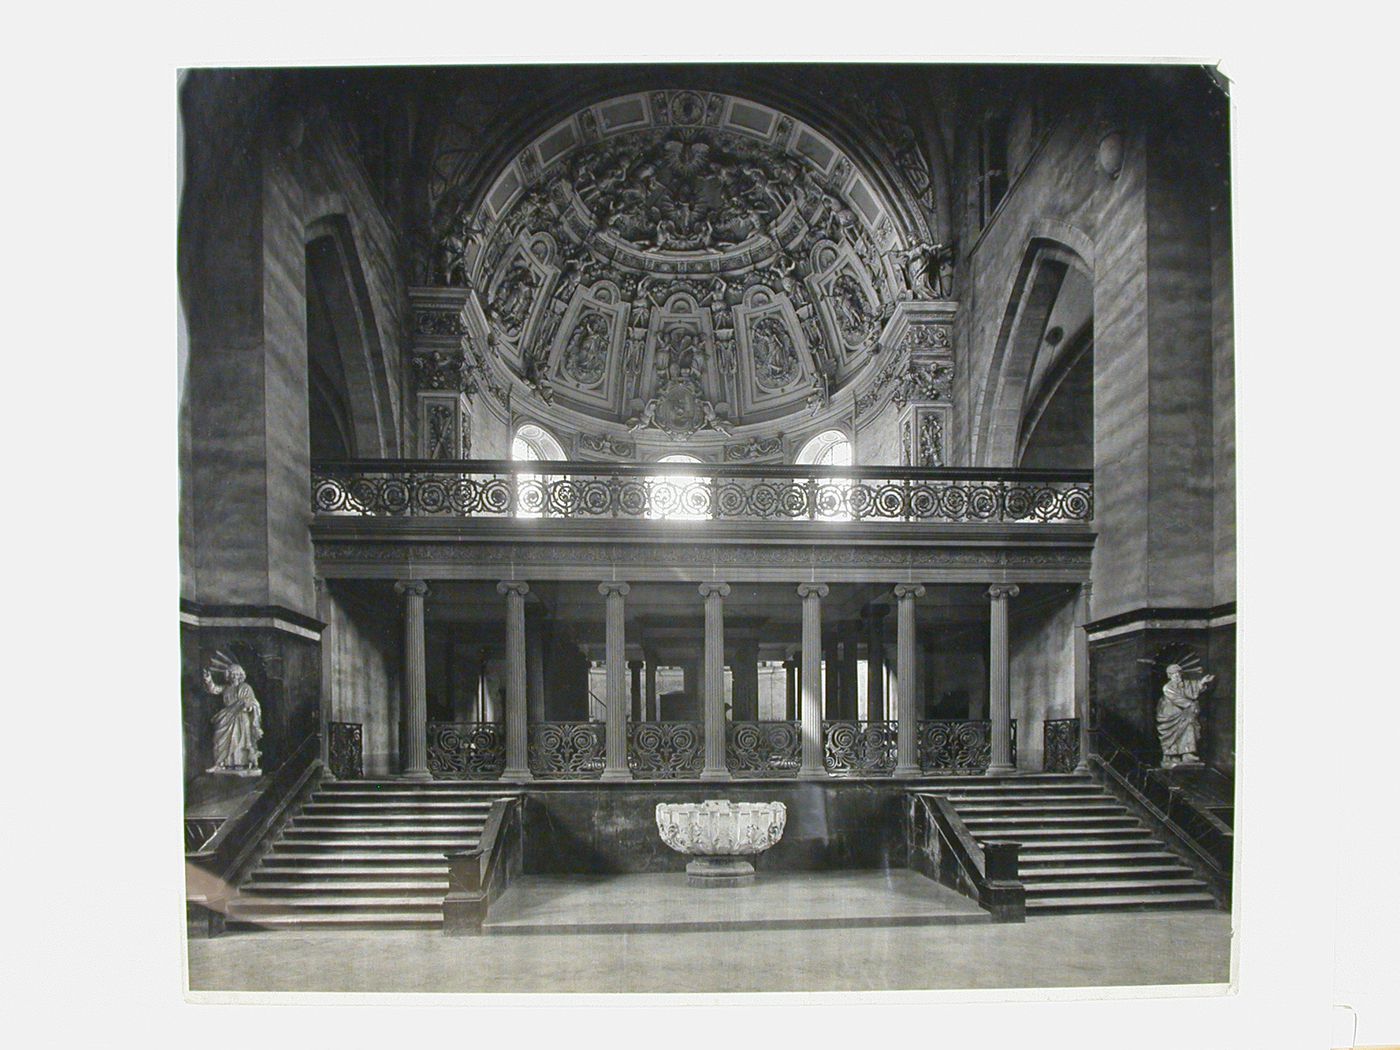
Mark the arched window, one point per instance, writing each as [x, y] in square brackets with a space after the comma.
[535, 442]
[678, 497]
[532, 443]
[830, 448]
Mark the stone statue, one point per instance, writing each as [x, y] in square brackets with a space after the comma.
[1179, 717]
[238, 724]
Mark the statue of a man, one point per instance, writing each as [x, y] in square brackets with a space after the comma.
[237, 725]
[1179, 717]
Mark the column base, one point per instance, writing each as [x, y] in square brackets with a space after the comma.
[415, 774]
[995, 769]
[811, 774]
[715, 774]
[905, 772]
[614, 775]
[518, 776]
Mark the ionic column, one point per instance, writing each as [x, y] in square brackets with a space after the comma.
[638, 701]
[517, 710]
[875, 665]
[715, 766]
[790, 665]
[1081, 671]
[615, 662]
[415, 708]
[999, 685]
[812, 743]
[907, 760]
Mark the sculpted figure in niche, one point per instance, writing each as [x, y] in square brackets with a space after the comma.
[1179, 717]
[848, 303]
[238, 724]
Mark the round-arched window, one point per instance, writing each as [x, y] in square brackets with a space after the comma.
[678, 497]
[830, 448]
[535, 442]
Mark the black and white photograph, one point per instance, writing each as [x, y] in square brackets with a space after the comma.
[633, 524]
[763, 527]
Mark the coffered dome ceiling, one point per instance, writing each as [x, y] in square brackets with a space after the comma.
[680, 260]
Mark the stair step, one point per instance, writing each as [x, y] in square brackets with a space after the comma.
[317, 805]
[293, 868]
[391, 821]
[1032, 804]
[257, 886]
[1057, 820]
[344, 853]
[247, 905]
[1065, 843]
[1068, 836]
[1055, 874]
[383, 920]
[1037, 888]
[358, 842]
[1125, 903]
[1043, 856]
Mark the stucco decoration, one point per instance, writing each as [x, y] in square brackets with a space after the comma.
[681, 261]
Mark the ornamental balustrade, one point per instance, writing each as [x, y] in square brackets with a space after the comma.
[466, 750]
[856, 748]
[345, 755]
[692, 492]
[764, 749]
[958, 745]
[567, 750]
[662, 750]
[1061, 745]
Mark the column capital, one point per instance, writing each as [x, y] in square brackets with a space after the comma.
[1001, 591]
[811, 590]
[909, 591]
[519, 587]
[417, 588]
[708, 590]
[635, 665]
[613, 587]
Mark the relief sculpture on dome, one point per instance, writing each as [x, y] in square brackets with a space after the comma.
[510, 305]
[851, 310]
[680, 406]
[586, 355]
[774, 357]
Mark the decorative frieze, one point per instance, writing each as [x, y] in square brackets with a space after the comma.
[755, 449]
[591, 445]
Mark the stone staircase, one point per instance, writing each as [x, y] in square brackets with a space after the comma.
[1081, 849]
[364, 854]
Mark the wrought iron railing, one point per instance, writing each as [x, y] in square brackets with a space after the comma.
[662, 750]
[345, 750]
[567, 750]
[958, 745]
[764, 749]
[697, 491]
[1061, 745]
[466, 750]
[856, 748]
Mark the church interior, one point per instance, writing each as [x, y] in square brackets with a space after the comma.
[848, 449]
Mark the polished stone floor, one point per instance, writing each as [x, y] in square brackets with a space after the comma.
[1074, 951]
[663, 902]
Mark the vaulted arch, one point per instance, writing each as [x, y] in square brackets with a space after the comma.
[1052, 272]
[349, 384]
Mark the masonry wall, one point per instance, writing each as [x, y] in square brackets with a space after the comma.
[365, 649]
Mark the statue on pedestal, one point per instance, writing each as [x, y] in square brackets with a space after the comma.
[1179, 717]
[238, 724]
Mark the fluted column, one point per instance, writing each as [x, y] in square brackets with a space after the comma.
[615, 663]
[875, 665]
[715, 765]
[812, 743]
[517, 711]
[1081, 671]
[790, 665]
[415, 708]
[907, 760]
[999, 674]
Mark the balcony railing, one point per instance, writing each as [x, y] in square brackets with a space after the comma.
[698, 491]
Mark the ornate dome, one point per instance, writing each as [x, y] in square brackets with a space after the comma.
[681, 260]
